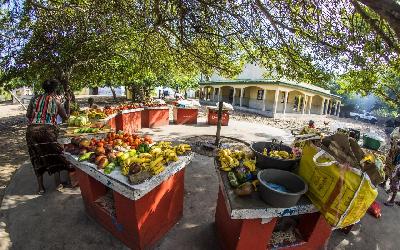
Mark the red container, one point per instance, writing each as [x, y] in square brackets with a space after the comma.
[185, 115]
[213, 117]
[155, 117]
[139, 224]
[129, 121]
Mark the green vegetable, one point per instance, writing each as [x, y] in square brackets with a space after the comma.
[241, 176]
[85, 156]
[232, 179]
[109, 168]
[143, 148]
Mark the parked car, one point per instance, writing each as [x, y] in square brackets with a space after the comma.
[365, 116]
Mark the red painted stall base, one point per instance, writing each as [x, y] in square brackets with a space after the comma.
[244, 234]
[185, 115]
[139, 224]
[154, 118]
[213, 117]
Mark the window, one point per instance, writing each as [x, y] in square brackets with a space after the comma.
[260, 94]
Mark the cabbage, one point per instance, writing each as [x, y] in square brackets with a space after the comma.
[81, 121]
[71, 120]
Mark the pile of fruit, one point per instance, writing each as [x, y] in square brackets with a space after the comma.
[132, 154]
[108, 110]
[96, 114]
[241, 168]
[279, 154]
[154, 104]
[78, 121]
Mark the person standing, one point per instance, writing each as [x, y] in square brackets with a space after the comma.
[46, 154]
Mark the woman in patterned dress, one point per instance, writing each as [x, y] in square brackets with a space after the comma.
[45, 152]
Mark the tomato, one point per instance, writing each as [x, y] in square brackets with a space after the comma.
[100, 144]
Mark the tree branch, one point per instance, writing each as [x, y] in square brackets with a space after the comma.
[374, 25]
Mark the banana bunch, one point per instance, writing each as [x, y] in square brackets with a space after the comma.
[229, 159]
[182, 148]
[156, 166]
[165, 146]
[250, 164]
[279, 154]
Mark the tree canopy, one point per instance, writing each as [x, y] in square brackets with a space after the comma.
[354, 43]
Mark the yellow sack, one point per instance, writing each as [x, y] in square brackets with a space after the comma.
[342, 194]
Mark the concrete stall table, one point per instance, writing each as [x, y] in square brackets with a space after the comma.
[185, 115]
[212, 117]
[138, 215]
[249, 222]
[153, 117]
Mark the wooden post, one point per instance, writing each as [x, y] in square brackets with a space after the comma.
[217, 139]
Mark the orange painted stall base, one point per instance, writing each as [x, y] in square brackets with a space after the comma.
[213, 117]
[154, 117]
[141, 223]
[244, 234]
[185, 115]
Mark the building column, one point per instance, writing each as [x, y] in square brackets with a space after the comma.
[233, 98]
[310, 104]
[213, 95]
[328, 107]
[304, 105]
[322, 107]
[264, 99]
[338, 109]
[241, 96]
[285, 101]
[276, 101]
[219, 94]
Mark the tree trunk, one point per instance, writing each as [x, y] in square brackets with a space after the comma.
[113, 93]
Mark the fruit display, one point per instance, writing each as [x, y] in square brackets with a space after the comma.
[241, 168]
[78, 121]
[96, 114]
[279, 154]
[154, 104]
[86, 130]
[108, 110]
[133, 155]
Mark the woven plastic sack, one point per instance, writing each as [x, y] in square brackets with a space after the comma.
[342, 194]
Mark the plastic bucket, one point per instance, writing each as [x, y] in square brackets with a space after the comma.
[264, 162]
[295, 185]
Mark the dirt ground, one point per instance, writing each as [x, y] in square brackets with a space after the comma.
[13, 150]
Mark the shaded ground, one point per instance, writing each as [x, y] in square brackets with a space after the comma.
[13, 150]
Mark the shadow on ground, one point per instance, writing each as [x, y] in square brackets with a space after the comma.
[57, 220]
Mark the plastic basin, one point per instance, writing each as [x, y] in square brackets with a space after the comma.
[264, 162]
[294, 184]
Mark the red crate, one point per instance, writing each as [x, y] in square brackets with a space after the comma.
[213, 117]
[243, 234]
[138, 223]
[185, 115]
[153, 118]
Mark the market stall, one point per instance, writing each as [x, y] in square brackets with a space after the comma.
[185, 115]
[245, 221]
[153, 117]
[128, 191]
[212, 116]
